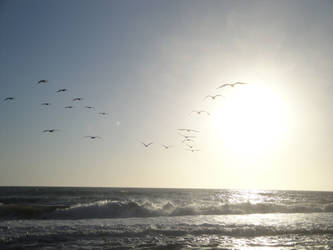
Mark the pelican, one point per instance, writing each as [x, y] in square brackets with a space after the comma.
[46, 104]
[188, 130]
[187, 140]
[102, 113]
[213, 97]
[166, 146]
[188, 136]
[93, 137]
[89, 107]
[69, 107]
[200, 111]
[9, 99]
[61, 90]
[50, 130]
[77, 99]
[42, 81]
[231, 84]
[147, 144]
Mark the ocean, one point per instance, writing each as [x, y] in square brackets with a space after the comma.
[142, 218]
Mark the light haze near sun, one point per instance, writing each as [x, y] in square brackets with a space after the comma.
[149, 64]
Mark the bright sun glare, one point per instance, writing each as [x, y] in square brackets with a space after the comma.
[252, 120]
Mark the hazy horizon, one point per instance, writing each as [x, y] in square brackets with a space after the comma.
[149, 65]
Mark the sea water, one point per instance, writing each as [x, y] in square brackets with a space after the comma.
[135, 218]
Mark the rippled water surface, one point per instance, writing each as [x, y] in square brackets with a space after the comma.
[115, 218]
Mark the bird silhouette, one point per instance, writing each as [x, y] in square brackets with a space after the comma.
[42, 81]
[188, 130]
[77, 99]
[187, 136]
[93, 137]
[231, 84]
[89, 107]
[9, 99]
[102, 113]
[147, 144]
[61, 90]
[166, 146]
[69, 107]
[187, 140]
[193, 150]
[213, 97]
[46, 104]
[199, 112]
[50, 130]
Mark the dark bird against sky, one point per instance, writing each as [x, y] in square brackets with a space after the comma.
[50, 130]
[93, 137]
[147, 144]
[42, 81]
[61, 90]
[199, 112]
[231, 84]
[46, 104]
[9, 99]
[78, 99]
[188, 130]
[213, 97]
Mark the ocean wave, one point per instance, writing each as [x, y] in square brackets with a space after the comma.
[129, 209]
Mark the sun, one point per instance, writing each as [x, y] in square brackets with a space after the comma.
[252, 120]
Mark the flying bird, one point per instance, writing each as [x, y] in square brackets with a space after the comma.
[50, 130]
[77, 99]
[42, 81]
[187, 140]
[213, 97]
[167, 146]
[188, 130]
[190, 146]
[187, 136]
[9, 99]
[199, 112]
[147, 144]
[61, 90]
[231, 84]
[93, 137]
[46, 104]
[193, 150]
[102, 113]
[89, 107]
[69, 107]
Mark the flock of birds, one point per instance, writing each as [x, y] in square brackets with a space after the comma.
[188, 134]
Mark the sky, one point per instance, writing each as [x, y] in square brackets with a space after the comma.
[149, 64]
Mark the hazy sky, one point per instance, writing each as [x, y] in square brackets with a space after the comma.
[149, 64]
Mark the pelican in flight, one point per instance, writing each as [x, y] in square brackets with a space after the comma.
[188, 136]
[190, 146]
[147, 144]
[199, 112]
[102, 113]
[93, 137]
[77, 99]
[42, 81]
[61, 90]
[46, 104]
[231, 84]
[193, 150]
[9, 99]
[213, 97]
[187, 140]
[89, 107]
[69, 107]
[188, 130]
[50, 130]
[166, 146]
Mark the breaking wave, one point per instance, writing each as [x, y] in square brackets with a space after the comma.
[129, 209]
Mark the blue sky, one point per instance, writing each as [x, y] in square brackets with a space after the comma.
[149, 64]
